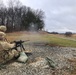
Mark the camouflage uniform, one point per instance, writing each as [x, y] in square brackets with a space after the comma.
[5, 53]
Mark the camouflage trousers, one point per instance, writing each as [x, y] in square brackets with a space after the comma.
[7, 55]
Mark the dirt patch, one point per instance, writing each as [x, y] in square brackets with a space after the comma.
[37, 64]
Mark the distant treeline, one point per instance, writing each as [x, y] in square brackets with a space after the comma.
[68, 34]
[18, 17]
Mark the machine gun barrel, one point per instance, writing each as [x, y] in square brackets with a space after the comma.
[19, 44]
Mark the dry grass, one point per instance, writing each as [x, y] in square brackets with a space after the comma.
[26, 36]
[51, 39]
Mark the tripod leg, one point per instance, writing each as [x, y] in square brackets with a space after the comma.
[23, 47]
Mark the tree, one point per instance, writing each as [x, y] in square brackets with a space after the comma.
[39, 14]
[68, 34]
[14, 15]
[2, 13]
[33, 19]
[19, 17]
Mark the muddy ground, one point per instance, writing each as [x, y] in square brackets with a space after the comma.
[63, 61]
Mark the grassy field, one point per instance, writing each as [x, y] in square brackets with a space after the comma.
[59, 40]
[50, 39]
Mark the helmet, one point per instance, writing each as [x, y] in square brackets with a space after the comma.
[3, 28]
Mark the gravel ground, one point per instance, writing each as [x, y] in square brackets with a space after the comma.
[39, 51]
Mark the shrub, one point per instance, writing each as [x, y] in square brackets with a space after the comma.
[54, 32]
[69, 34]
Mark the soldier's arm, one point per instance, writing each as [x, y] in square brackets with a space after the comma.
[7, 45]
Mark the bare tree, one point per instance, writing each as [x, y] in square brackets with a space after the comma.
[14, 14]
[2, 12]
[19, 17]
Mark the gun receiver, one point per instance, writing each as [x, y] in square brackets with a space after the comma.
[19, 44]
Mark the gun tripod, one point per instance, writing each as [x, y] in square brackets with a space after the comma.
[22, 47]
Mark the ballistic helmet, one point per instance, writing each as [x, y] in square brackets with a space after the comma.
[3, 28]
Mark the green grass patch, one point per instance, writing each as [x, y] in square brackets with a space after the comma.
[57, 41]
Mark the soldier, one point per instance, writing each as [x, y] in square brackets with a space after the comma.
[5, 54]
[3, 28]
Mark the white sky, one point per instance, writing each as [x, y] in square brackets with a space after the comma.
[60, 14]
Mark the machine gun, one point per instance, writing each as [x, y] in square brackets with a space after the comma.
[19, 44]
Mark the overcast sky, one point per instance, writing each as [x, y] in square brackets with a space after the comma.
[60, 15]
